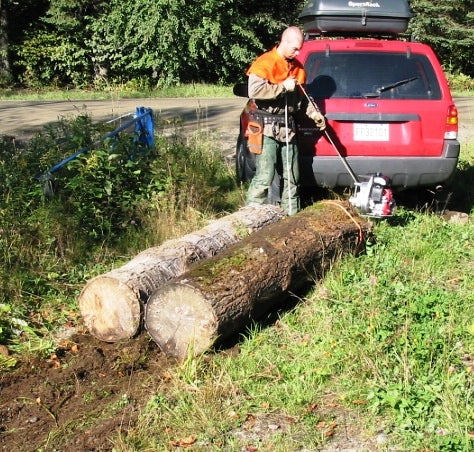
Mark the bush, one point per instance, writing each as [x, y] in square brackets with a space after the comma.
[460, 82]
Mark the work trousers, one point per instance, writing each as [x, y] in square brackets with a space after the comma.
[266, 165]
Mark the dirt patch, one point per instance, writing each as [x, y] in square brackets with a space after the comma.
[89, 392]
[81, 397]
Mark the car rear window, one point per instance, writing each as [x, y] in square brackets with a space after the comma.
[371, 74]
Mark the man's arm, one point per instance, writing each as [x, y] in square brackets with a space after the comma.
[260, 88]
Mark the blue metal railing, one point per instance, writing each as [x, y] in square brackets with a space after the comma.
[143, 134]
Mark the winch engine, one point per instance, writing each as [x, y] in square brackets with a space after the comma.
[374, 196]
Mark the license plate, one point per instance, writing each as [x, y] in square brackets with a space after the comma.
[371, 132]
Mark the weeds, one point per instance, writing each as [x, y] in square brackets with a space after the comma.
[388, 335]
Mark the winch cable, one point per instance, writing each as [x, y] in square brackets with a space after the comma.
[288, 169]
[343, 159]
[349, 214]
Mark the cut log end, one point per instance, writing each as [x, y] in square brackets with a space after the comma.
[181, 321]
[111, 311]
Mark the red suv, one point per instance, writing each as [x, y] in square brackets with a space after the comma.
[386, 100]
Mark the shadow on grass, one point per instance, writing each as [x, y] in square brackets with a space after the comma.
[260, 321]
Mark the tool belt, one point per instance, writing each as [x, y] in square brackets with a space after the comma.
[264, 118]
[255, 128]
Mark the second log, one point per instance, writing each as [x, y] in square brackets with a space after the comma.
[218, 297]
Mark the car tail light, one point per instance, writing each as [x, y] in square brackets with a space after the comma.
[451, 131]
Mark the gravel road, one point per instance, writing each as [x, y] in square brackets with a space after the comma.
[24, 118]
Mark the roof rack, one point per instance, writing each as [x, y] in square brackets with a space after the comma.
[376, 18]
[311, 36]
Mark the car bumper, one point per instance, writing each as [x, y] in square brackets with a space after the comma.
[404, 172]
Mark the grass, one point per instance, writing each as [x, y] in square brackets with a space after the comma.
[130, 92]
[383, 334]
[119, 92]
[386, 338]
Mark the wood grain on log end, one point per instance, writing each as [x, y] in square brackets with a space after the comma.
[181, 321]
[111, 311]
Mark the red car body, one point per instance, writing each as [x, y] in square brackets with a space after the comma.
[389, 110]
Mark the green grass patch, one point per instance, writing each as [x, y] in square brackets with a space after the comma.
[126, 91]
[387, 335]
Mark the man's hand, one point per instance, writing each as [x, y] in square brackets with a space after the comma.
[289, 84]
[317, 117]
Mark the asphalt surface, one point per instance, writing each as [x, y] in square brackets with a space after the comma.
[22, 119]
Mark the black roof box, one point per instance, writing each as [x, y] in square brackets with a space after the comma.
[376, 17]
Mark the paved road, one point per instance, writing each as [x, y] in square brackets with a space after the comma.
[24, 118]
[466, 118]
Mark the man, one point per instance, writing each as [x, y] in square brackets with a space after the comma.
[272, 84]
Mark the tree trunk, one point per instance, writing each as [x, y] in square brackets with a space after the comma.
[219, 296]
[112, 304]
[4, 60]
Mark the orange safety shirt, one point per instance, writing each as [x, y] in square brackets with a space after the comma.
[273, 67]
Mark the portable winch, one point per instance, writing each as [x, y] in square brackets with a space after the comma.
[373, 196]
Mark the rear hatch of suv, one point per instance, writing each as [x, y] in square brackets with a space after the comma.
[386, 98]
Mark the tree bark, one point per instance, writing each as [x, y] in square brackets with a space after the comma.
[112, 304]
[4, 48]
[219, 296]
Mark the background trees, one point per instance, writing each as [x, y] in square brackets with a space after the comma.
[17, 18]
[160, 42]
[449, 28]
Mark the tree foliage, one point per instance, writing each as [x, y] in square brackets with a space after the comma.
[163, 42]
[175, 41]
[16, 18]
[449, 28]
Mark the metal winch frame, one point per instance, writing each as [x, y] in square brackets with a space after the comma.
[372, 196]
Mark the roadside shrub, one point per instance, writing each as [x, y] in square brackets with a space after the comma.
[460, 82]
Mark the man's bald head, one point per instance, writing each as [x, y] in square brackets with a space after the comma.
[291, 42]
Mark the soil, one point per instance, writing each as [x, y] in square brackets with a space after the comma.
[45, 400]
[45, 404]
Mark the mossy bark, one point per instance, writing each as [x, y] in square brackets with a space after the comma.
[217, 297]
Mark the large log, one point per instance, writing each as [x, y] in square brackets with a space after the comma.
[217, 297]
[112, 304]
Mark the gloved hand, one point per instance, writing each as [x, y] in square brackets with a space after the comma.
[317, 117]
[289, 84]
